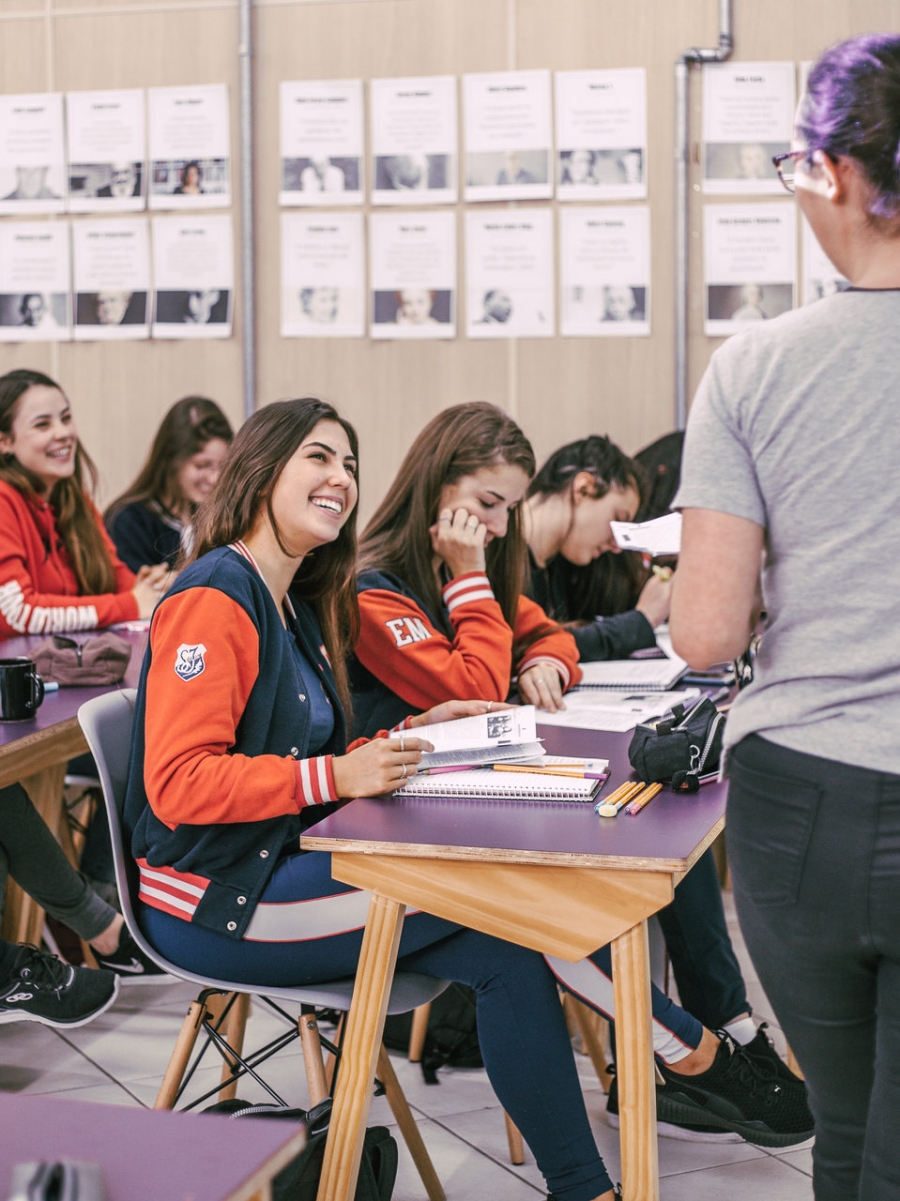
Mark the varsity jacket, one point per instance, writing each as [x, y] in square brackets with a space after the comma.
[404, 659]
[38, 587]
[145, 534]
[605, 637]
[219, 770]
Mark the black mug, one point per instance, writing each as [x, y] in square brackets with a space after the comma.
[21, 689]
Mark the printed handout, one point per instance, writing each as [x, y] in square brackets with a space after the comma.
[107, 151]
[659, 537]
[749, 255]
[412, 259]
[605, 271]
[414, 140]
[601, 134]
[34, 281]
[111, 282]
[193, 275]
[508, 136]
[509, 274]
[748, 115]
[190, 147]
[321, 142]
[322, 275]
[32, 155]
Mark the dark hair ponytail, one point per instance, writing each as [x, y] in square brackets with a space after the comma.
[600, 458]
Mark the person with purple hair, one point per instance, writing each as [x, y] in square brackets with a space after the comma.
[786, 492]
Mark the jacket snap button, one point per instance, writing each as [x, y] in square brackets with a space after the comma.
[264, 854]
[295, 750]
[232, 925]
[242, 900]
[302, 696]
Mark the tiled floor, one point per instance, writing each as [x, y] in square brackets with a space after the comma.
[119, 1060]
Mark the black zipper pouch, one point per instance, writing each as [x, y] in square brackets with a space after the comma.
[680, 746]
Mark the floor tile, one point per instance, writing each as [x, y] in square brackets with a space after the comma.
[761, 1179]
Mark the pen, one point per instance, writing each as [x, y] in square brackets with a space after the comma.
[553, 771]
[611, 806]
[643, 798]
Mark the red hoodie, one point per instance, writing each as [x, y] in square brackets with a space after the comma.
[38, 587]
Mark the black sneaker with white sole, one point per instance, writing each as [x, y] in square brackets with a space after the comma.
[691, 1132]
[130, 963]
[44, 989]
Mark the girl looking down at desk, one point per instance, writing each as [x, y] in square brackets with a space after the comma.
[58, 569]
[443, 564]
[218, 793]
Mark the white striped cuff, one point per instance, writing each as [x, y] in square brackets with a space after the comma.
[466, 588]
[316, 781]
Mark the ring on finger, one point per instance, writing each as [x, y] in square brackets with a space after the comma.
[403, 772]
[490, 706]
[402, 743]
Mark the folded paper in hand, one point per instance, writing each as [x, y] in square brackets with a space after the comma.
[658, 538]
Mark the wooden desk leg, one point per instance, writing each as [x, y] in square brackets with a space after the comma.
[637, 1079]
[359, 1053]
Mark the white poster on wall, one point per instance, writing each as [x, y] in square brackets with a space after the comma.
[601, 134]
[193, 276]
[322, 275]
[190, 147]
[750, 263]
[107, 151]
[509, 274]
[34, 281]
[412, 279]
[508, 136]
[321, 142]
[414, 140]
[605, 271]
[748, 115]
[32, 156]
[111, 279]
[820, 276]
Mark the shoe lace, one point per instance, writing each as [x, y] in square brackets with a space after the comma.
[749, 1077]
[44, 972]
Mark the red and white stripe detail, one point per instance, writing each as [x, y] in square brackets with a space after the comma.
[315, 781]
[174, 892]
[564, 673]
[467, 588]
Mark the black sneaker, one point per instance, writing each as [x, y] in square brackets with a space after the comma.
[692, 1132]
[44, 989]
[130, 963]
[735, 1095]
[762, 1052]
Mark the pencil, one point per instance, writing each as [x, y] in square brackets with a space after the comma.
[611, 806]
[553, 771]
[643, 798]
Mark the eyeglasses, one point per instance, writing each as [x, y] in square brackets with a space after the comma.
[785, 165]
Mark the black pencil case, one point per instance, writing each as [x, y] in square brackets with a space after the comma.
[680, 746]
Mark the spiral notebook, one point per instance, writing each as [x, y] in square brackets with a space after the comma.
[634, 675]
[485, 784]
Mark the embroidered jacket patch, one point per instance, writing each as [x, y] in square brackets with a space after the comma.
[189, 661]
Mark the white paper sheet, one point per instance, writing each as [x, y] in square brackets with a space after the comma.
[35, 303]
[193, 274]
[605, 271]
[321, 142]
[412, 275]
[614, 711]
[510, 727]
[601, 134]
[750, 263]
[509, 274]
[32, 156]
[662, 536]
[322, 275]
[508, 136]
[414, 140]
[111, 279]
[819, 274]
[190, 147]
[748, 115]
[107, 151]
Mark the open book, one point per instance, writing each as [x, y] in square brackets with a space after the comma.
[510, 736]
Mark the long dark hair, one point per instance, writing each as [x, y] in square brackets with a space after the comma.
[76, 519]
[184, 431]
[459, 441]
[256, 458]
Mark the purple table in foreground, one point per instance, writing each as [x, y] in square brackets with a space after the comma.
[146, 1154]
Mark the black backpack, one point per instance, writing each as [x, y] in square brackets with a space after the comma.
[452, 1034]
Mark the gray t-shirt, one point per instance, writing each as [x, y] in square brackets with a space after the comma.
[796, 426]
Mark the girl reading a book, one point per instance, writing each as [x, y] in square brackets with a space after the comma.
[218, 793]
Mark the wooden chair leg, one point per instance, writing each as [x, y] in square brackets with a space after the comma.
[594, 1032]
[312, 1055]
[417, 1034]
[180, 1057]
[235, 1027]
[514, 1138]
[408, 1128]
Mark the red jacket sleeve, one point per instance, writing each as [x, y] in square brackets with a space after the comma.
[190, 725]
[558, 647]
[399, 645]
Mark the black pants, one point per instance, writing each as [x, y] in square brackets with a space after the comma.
[814, 848]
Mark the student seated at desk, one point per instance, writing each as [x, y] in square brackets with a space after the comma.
[218, 793]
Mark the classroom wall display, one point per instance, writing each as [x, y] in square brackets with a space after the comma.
[321, 132]
[414, 140]
[605, 271]
[193, 274]
[820, 277]
[750, 263]
[34, 281]
[111, 279]
[509, 274]
[508, 136]
[322, 275]
[190, 147]
[601, 134]
[32, 154]
[412, 275]
[748, 115]
[106, 151]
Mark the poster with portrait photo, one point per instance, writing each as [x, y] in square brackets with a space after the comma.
[32, 154]
[601, 134]
[605, 272]
[412, 275]
[413, 140]
[748, 115]
[820, 276]
[190, 147]
[323, 285]
[111, 279]
[321, 138]
[509, 274]
[193, 276]
[750, 264]
[35, 296]
[107, 151]
[508, 136]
